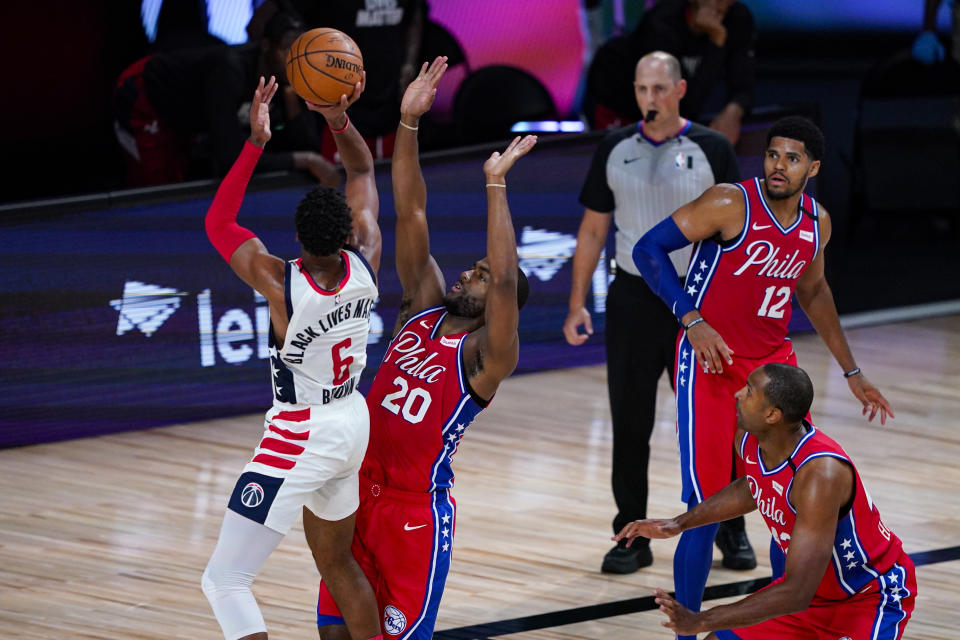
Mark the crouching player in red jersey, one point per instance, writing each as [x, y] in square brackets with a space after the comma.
[449, 354]
[846, 573]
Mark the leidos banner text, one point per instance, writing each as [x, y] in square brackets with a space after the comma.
[127, 318]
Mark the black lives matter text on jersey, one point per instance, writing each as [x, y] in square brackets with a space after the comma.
[302, 339]
[239, 334]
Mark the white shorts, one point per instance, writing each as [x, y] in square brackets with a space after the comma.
[308, 456]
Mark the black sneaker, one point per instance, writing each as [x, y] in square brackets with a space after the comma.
[626, 559]
[737, 552]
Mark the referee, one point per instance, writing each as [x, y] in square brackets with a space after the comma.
[640, 174]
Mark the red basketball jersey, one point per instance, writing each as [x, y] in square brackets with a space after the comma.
[863, 549]
[744, 289]
[420, 406]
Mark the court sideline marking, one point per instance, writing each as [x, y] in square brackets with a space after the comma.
[635, 605]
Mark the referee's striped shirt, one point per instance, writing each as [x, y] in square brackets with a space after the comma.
[641, 182]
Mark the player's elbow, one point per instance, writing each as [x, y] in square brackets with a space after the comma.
[808, 292]
[796, 597]
[645, 257]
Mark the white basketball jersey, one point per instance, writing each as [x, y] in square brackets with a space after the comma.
[325, 349]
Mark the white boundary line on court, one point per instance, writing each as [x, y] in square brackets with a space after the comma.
[900, 314]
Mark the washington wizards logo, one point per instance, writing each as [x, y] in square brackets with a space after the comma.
[394, 622]
[252, 495]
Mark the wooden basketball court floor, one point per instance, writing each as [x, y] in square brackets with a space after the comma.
[107, 537]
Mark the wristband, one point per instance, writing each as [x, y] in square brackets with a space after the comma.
[851, 373]
[347, 124]
[404, 124]
[697, 321]
[501, 186]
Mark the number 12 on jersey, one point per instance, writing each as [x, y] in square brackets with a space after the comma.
[776, 309]
[415, 401]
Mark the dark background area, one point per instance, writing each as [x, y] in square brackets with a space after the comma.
[59, 131]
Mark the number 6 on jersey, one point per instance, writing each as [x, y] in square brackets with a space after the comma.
[341, 365]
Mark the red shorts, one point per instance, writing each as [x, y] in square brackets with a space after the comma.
[403, 542]
[707, 417]
[880, 613]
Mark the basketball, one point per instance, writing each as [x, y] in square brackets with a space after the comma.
[324, 64]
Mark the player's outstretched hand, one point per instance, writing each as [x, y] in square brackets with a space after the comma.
[418, 98]
[577, 318]
[334, 114]
[712, 352]
[260, 111]
[648, 529]
[497, 165]
[683, 621]
[873, 401]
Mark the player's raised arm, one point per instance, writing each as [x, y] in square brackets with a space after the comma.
[499, 344]
[719, 210]
[816, 299]
[419, 274]
[361, 186]
[244, 252]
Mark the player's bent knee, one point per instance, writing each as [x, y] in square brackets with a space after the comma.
[336, 563]
[206, 583]
[217, 582]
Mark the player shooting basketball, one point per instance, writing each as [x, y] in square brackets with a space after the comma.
[316, 431]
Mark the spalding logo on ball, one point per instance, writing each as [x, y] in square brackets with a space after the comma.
[252, 495]
[324, 64]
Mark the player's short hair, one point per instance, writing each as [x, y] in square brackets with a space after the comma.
[669, 60]
[323, 221]
[523, 288]
[802, 129]
[788, 389]
[285, 20]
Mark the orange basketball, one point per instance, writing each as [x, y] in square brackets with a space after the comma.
[324, 64]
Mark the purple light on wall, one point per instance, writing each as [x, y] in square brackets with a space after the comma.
[542, 37]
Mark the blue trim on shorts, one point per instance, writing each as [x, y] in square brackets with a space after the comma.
[684, 383]
[890, 613]
[326, 621]
[422, 627]
[726, 634]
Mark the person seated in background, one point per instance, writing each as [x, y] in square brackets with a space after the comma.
[166, 104]
[712, 39]
[389, 35]
[927, 47]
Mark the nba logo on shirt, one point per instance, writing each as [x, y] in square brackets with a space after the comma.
[679, 160]
[394, 622]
